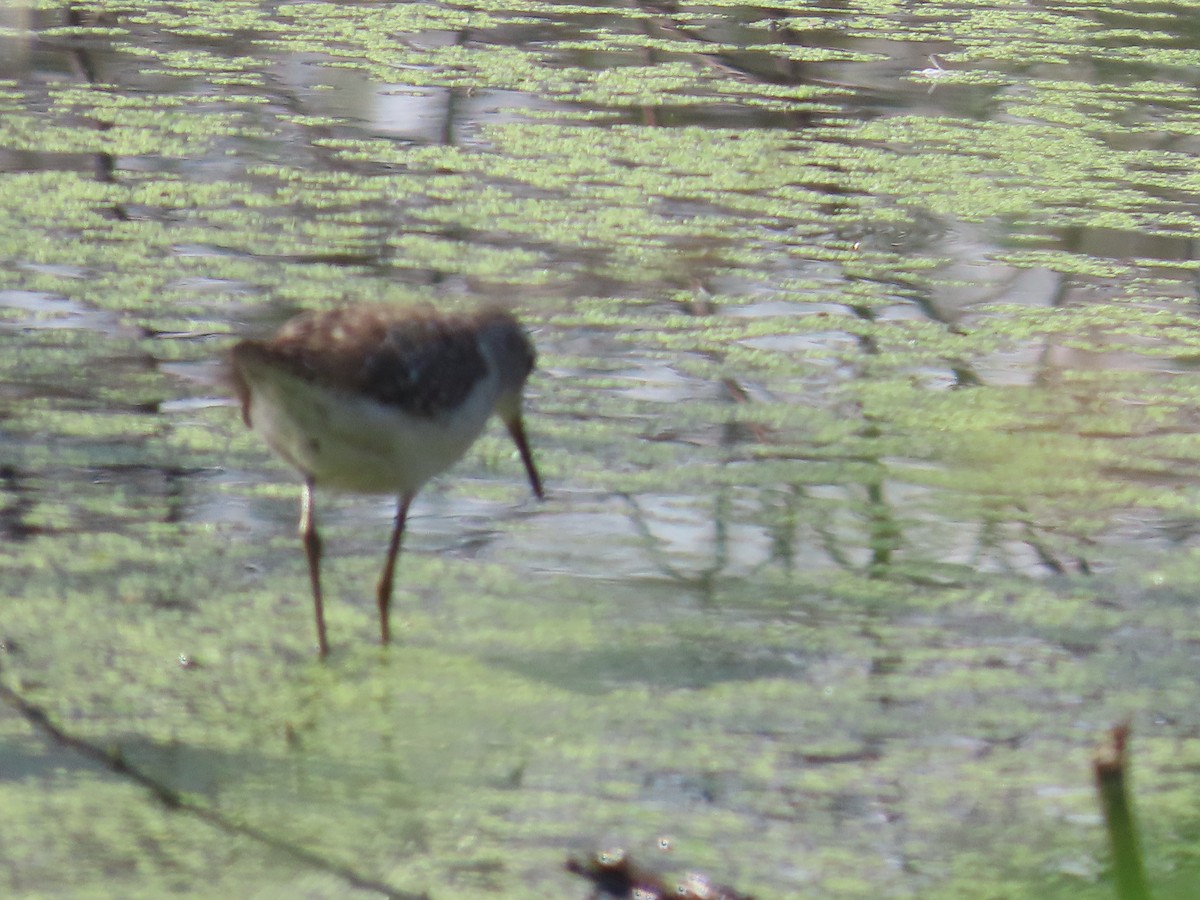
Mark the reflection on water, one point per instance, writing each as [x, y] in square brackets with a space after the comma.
[818, 321]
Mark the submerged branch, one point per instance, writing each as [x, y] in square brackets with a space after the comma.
[114, 762]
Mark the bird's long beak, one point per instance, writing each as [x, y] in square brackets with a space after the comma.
[516, 427]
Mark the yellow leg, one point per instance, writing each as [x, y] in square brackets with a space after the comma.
[383, 593]
[312, 550]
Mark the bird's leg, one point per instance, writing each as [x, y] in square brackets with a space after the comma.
[383, 593]
[312, 550]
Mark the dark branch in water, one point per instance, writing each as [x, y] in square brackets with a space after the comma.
[112, 760]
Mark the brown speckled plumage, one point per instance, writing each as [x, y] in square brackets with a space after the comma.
[417, 360]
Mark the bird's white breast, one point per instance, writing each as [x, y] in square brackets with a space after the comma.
[348, 441]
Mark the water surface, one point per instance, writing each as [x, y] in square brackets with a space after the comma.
[866, 403]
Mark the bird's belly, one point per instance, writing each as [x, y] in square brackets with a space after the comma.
[346, 441]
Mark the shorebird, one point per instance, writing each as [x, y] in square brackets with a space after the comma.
[378, 400]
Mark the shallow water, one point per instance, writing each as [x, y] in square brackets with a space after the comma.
[866, 405]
